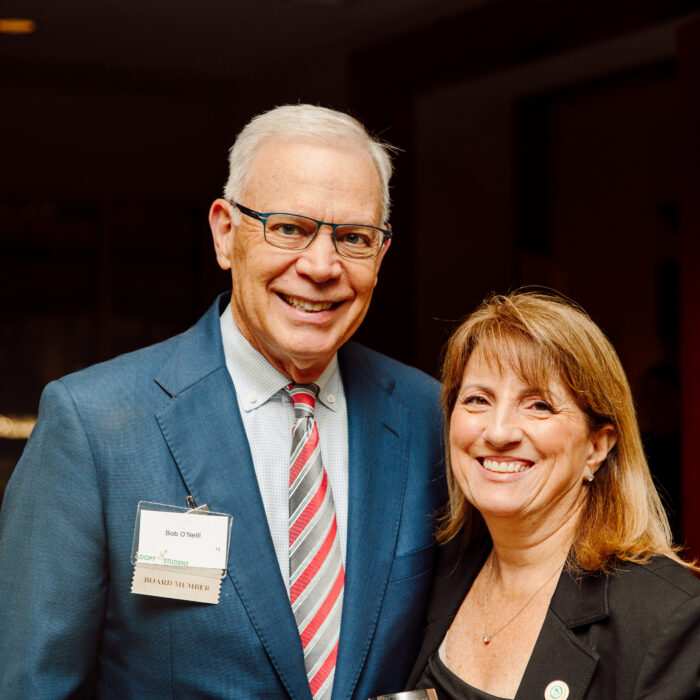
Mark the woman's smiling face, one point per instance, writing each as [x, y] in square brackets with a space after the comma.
[518, 451]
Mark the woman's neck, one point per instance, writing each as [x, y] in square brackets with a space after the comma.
[523, 550]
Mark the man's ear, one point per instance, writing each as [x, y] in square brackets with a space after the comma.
[385, 247]
[221, 224]
[379, 259]
[602, 441]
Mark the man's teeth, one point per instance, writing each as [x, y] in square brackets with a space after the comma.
[307, 305]
[494, 466]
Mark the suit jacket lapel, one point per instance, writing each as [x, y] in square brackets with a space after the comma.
[203, 429]
[559, 655]
[378, 429]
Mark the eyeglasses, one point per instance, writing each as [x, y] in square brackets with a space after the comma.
[295, 232]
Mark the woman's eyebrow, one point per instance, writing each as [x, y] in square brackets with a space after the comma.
[475, 385]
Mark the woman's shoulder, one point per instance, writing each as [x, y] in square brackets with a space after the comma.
[635, 599]
[456, 567]
[457, 558]
[654, 628]
[664, 571]
[660, 583]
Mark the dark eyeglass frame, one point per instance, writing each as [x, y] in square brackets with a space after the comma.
[263, 217]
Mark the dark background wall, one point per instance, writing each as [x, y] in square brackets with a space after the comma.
[542, 144]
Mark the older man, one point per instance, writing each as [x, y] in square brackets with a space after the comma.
[324, 454]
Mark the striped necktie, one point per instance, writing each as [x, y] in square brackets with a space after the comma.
[316, 573]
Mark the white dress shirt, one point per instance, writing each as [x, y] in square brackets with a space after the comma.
[268, 417]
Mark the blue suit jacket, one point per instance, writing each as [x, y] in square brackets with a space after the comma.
[163, 423]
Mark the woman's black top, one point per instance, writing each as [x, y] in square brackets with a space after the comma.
[447, 685]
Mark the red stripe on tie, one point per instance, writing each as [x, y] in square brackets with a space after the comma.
[314, 565]
[322, 613]
[308, 513]
[304, 397]
[328, 665]
[303, 457]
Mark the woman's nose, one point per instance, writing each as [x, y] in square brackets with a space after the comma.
[503, 428]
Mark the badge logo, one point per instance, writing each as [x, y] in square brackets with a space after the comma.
[556, 690]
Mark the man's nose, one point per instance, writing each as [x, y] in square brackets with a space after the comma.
[503, 427]
[320, 261]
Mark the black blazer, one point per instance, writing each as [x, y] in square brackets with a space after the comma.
[634, 634]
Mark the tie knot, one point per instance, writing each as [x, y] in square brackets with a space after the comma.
[303, 397]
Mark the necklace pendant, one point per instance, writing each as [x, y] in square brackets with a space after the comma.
[486, 639]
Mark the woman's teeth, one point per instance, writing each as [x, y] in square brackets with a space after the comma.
[307, 305]
[495, 466]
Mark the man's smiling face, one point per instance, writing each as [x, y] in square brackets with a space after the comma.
[298, 307]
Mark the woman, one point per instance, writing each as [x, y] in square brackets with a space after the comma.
[557, 576]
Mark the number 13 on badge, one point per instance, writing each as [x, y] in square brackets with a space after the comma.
[179, 552]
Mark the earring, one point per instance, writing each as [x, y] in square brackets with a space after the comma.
[589, 476]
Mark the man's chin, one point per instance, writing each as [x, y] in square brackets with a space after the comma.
[305, 370]
[306, 354]
[302, 354]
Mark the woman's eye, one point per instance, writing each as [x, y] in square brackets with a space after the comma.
[475, 401]
[541, 406]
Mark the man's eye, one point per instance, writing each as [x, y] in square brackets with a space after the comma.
[288, 230]
[354, 238]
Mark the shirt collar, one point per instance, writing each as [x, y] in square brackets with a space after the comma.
[256, 380]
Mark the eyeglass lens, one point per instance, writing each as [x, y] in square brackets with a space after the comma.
[296, 232]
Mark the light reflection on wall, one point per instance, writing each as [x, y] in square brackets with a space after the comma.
[16, 427]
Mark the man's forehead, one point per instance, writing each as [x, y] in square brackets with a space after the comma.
[290, 169]
[304, 148]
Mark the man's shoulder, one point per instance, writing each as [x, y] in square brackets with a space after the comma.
[399, 377]
[124, 367]
[136, 373]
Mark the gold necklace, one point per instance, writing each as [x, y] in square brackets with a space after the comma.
[486, 637]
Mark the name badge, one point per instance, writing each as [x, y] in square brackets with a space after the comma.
[180, 552]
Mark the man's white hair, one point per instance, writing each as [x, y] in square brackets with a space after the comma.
[304, 120]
